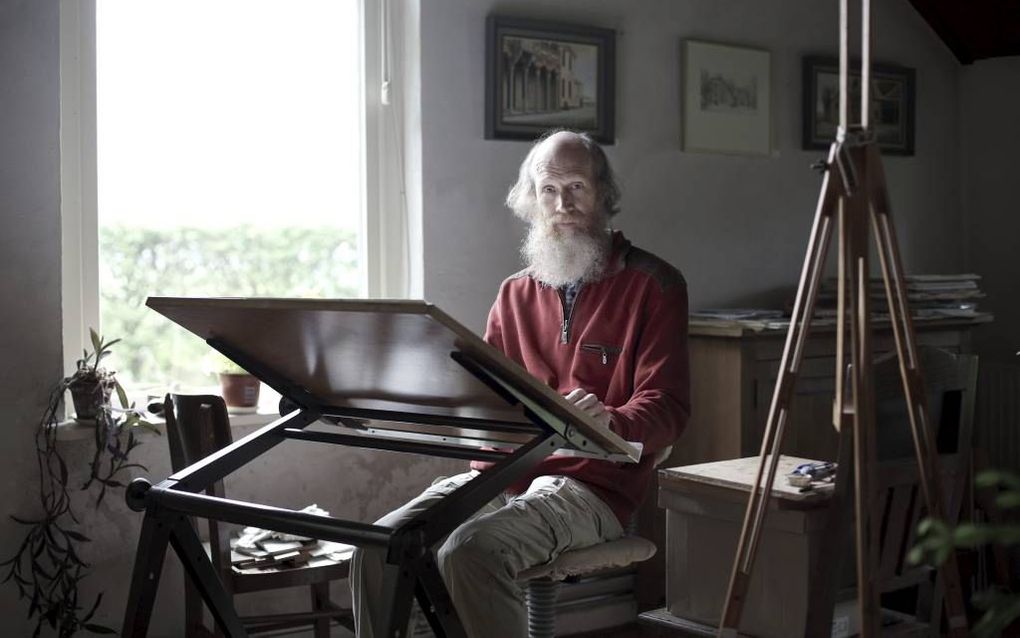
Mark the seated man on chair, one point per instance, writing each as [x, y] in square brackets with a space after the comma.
[599, 320]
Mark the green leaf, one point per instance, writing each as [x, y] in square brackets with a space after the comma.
[98, 629]
[121, 394]
[916, 555]
[97, 342]
[78, 536]
[1008, 500]
[969, 535]
[63, 470]
[152, 427]
[926, 526]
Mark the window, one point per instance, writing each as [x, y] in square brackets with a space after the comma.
[227, 155]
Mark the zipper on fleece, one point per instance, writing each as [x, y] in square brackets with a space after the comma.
[567, 314]
[598, 348]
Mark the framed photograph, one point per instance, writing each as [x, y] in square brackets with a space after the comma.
[726, 99]
[892, 104]
[541, 75]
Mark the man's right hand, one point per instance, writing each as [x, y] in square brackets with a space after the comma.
[590, 405]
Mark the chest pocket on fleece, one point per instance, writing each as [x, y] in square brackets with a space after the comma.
[606, 354]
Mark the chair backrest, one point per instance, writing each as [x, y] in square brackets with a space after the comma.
[950, 382]
[901, 507]
[196, 426]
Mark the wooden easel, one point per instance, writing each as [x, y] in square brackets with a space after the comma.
[853, 198]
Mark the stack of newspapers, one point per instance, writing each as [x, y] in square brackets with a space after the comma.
[928, 296]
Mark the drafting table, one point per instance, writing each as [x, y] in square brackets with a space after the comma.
[392, 375]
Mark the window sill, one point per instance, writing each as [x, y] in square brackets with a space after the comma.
[72, 430]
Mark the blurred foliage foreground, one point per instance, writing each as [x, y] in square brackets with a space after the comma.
[242, 261]
[936, 540]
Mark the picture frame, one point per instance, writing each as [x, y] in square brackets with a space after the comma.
[543, 75]
[892, 99]
[727, 97]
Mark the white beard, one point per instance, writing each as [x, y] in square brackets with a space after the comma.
[557, 259]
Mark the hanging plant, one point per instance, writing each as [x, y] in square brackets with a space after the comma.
[48, 568]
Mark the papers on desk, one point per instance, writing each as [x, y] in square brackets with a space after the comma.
[930, 297]
[259, 548]
[736, 314]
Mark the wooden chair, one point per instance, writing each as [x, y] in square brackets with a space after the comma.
[950, 384]
[196, 426]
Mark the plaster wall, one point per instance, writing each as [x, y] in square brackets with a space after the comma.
[989, 133]
[30, 331]
[736, 226]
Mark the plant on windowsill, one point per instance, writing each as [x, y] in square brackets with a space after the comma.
[240, 389]
[48, 567]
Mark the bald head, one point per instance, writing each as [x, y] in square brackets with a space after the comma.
[559, 152]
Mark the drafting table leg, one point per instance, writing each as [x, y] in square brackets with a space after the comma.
[201, 572]
[394, 608]
[434, 600]
[152, 542]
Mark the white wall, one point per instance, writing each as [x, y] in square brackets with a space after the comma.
[29, 249]
[990, 134]
[736, 226]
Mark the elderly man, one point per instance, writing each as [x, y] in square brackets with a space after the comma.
[600, 321]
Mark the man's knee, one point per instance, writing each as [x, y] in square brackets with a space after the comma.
[474, 547]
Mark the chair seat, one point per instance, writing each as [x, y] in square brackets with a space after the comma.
[334, 565]
[581, 562]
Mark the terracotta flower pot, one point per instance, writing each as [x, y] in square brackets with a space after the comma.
[239, 390]
[87, 396]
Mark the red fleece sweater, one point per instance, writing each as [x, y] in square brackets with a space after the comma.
[625, 341]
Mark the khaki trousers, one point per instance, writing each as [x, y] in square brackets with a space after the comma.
[480, 560]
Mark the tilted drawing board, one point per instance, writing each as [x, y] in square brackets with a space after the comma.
[387, 361]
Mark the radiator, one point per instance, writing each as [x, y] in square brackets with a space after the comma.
[997, 414]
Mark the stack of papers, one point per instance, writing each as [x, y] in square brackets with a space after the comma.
[263, 549]
[930, 296]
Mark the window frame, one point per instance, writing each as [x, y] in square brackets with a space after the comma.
[383, 245]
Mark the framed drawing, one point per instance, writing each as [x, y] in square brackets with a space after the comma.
[726, 99]
[541, 75]
[892, 104]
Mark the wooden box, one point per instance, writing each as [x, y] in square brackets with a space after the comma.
[705, 506]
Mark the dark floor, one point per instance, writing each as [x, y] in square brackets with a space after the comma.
[627, 631]
[635, 630]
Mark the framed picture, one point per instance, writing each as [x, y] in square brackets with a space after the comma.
[726, 99]
[892, 104]
[541, 76]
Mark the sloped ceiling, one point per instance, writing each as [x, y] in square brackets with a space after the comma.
[974, 29]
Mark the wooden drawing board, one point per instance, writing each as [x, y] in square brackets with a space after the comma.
[387, 355]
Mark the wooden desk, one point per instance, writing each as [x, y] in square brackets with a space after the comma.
[733, 374]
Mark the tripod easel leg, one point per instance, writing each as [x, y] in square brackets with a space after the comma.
[807, 293]
[913, 382]
[854, 267]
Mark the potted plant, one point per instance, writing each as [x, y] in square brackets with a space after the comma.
[92, 385]
[240, 389]
[47, 566]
